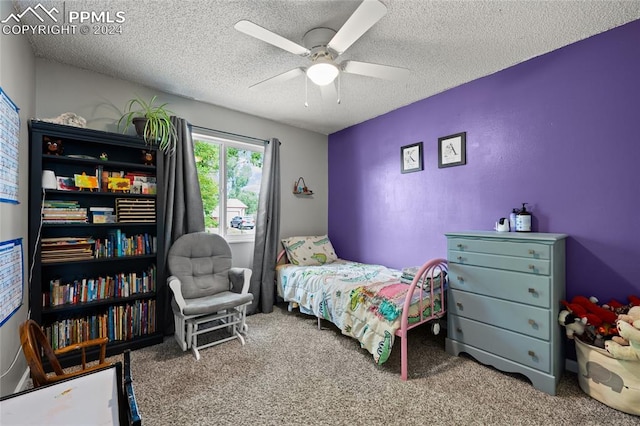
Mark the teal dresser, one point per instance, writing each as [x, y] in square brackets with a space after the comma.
[503, 302]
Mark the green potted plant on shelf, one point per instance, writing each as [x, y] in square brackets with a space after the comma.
[152, 122]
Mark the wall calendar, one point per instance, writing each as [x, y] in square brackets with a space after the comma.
[11, 278]
[9, 141]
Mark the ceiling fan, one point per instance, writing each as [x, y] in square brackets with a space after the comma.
[323, 46]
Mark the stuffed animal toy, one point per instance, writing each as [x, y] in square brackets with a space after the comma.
[632, 317]
[68, 119]
[147, 157]
[51, 146]
[631, 333]
[619, 308]
[572, 323]
[581, 312]
[605, 315]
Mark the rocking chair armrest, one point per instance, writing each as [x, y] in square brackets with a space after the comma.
[240, 279]
[101, 341]
[82, 346]
[175, 285]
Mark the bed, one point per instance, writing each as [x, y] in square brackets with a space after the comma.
[371, 303]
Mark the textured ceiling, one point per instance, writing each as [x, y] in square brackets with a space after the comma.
[190, 48]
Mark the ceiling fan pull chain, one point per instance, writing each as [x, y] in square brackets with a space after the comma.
[339, 86]
[306, 91]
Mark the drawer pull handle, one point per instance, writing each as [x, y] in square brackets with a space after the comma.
[532, 252]
[458, 329]
[459, 258]
[460, 246]
[532, 290]
[532, 267]
[459, 305]
[461, 279]
[531, 353]
[532, 322]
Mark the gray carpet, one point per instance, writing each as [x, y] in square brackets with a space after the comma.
[291, 373]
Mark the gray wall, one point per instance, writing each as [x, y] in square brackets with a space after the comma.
[47, 89]
[101, 99]
[17, 71]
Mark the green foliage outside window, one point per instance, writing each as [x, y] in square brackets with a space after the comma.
[208, 166]
[240, 165]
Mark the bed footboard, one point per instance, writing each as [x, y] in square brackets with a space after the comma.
[430, 278]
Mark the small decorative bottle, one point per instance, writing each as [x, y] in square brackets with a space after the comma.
[523, 220]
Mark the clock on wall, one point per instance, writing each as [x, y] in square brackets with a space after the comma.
[411, 158]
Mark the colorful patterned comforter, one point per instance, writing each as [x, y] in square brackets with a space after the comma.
[364, 301]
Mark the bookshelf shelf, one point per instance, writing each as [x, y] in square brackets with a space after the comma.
[81, 306]
[96, 162]
[101, 259]
[58, 192]
[98, 225]
[131, 319]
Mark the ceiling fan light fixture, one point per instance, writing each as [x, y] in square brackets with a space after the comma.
[322, 72]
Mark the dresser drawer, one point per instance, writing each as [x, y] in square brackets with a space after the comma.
[517, 347]
[515, 286]
[520, 264]
[527, 249]
[529, 320]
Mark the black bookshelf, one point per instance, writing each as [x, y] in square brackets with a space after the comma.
[83, 152]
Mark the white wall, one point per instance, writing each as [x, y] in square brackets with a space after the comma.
[101, 99]
[17, 76]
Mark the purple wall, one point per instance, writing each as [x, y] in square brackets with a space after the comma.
[560, 132]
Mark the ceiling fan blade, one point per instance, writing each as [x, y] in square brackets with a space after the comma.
[280, 78]
[270, 37]
[366, 15]
[386, 72]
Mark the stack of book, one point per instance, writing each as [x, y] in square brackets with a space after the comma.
[66, 249]
[59, 211]
[102, 214]
[135, 210]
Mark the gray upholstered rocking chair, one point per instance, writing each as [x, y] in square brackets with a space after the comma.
[208, 294]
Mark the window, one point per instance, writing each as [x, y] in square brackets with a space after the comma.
[230, 206]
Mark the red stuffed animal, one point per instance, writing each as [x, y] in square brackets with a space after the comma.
[618, 308]
[580, 312]
[605, 315]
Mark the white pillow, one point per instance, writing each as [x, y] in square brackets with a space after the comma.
[309, 251]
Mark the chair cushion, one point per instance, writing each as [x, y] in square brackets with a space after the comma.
[212, 304]
[201, 261]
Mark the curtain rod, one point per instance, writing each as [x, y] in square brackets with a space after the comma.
[222, 132]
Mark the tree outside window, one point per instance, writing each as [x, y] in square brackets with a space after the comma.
[232, 215]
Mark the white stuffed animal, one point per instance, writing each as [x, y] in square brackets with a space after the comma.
[573, 324]
[68, 119]
[627, 346]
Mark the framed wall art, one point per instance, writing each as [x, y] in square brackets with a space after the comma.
[452, 150]
[411, 158]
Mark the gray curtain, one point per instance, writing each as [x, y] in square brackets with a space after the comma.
[267, 231]
[184, 212]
